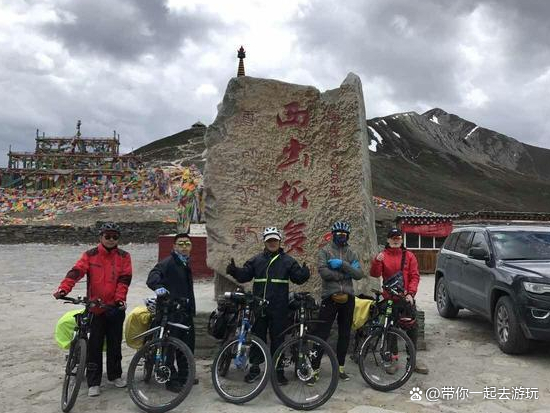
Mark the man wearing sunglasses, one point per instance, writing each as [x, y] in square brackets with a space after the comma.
[173, 276]
[109, 273]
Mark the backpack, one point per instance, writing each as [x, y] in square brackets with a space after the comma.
[222, 319]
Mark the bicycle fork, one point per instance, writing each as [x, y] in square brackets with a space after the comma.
[386, 349]
[243, 348]
[161, 370]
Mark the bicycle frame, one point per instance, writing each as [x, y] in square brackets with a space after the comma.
[245, 321]
[243, 331]
[384, 321]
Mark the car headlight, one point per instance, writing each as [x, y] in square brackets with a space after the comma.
[536, 288]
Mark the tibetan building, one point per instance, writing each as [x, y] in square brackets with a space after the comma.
[57, 160]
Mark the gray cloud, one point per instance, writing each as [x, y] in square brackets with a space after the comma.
[150, 71]
[126, 29]
[421, 51]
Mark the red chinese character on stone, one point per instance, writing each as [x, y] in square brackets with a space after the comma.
[294, 116]
[335, 191]
[325, 239]
[292, 153]
[241, 233]
[290, 190]
[245, 193]
[294, 236]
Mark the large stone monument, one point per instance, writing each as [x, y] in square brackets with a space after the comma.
[288, 156]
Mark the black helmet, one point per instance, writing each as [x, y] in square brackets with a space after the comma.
[109, 226]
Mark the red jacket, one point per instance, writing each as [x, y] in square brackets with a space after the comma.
[392, 264]
[109, 274]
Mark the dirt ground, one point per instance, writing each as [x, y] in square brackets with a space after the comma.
[461, 352]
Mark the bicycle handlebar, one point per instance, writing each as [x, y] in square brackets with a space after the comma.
[299, 296]
[391, 291]
[245, 297]
[86, 301]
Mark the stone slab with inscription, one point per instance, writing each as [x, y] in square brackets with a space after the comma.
[289, 156]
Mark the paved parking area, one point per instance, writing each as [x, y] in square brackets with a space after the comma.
[461, 354]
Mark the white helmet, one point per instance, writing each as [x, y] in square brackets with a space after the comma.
[271, 233]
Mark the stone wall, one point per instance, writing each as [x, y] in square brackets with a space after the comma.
[136, 232]
[288, 156]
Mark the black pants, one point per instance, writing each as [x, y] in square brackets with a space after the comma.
[328, 312]
[275, 319]
[411, 332]
[105, 326]
[188, 337]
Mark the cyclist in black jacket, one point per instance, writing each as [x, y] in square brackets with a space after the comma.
[271, 270]
[173, 276]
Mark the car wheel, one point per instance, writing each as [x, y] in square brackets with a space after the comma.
[445, 305]
[510, 338]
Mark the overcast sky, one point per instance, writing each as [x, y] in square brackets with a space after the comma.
[149, 68]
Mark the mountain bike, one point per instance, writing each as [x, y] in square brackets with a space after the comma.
[240, 369]
[154, 383]
[311, 362]
[78, 350]
[387, 356]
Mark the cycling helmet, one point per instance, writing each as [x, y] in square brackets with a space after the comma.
[151, 304]
[109, 226]
[407, 317]
[271, 233]
[406, 323]
[341, 226]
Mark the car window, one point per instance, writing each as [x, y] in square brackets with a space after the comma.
[450, 242]
[522, 245]
[479, 241]
[439, 241]
[462, 242]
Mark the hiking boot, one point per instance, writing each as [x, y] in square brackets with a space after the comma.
[93, 391]
[253, 374]
[391, 369]
[120, 382]
[343, 376]
[313, 379]
[173, 386]
[421, 368]
[281, 379]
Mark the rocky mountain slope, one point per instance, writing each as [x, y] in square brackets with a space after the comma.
[445, 163]
[435, 160]
[183, 148]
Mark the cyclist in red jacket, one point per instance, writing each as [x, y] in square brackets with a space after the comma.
[109, 273]
[393, 259]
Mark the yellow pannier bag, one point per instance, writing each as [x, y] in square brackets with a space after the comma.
[64, 329]
[361, 312]
[138, 321]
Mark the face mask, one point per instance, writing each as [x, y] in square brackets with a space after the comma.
[340, 239]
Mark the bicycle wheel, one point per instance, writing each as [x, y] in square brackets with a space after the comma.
[386, 363]
[161, 375]
[301, 359]
[74, 373]
[230, 369]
